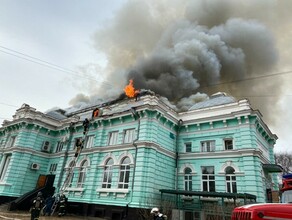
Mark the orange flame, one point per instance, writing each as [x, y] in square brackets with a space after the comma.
[130, 90]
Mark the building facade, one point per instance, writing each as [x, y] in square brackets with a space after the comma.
[135, 148]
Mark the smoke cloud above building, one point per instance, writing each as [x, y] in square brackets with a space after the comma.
[186, 50]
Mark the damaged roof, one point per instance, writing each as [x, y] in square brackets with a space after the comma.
[216, 99]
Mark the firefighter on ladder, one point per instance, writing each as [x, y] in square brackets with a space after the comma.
[37, 205]
[85, 126]
[62, 205]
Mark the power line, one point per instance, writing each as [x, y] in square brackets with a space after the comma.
[45, 63]
[1, 103]
[35, 58]
[247, 79]
[66, 70]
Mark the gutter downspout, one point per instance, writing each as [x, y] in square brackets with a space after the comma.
[180, 122]
[135, 114]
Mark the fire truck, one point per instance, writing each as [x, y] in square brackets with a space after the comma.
[274, 211]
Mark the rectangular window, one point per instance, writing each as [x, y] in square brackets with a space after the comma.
[4, 168]
[124, 177]
[231, 183]
[188, 147]
[11, 141]
[53, 167]
[208, 178]
[188, 179]
[113, 138]
[59, 147]
[207, 146]
[129, 135]
[89, 141]
[107, 177]
[228, 144]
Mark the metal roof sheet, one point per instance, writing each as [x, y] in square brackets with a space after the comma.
[215, 100]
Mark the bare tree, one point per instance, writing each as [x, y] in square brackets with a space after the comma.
[285, 160]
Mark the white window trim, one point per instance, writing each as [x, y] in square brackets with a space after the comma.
[208, 179]
[228, 139]
[204, 146]
[89, 141]
[129, 135]
[4, 166]
[113, 140]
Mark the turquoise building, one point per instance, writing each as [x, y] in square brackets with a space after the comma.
[136, 150]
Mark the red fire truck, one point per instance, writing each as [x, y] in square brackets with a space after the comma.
[275, 211]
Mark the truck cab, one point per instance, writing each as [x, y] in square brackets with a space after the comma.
[263, 211]
[275, 211]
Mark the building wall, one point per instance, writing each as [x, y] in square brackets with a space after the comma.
[153, 155]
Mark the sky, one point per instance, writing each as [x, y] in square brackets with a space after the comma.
[69, 53]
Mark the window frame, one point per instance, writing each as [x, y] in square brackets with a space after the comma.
[11, 141]
[231, 184]
[53, 167]
[188, 182]
[113, 140]
[227, 147]
[124, 174]
[59, 147]
[208, 179]
[188, 147]
[4, 168]
[82, 174]
[129, 137]
[89, 141]
[206, 146]
[107, 174]
[71, 167]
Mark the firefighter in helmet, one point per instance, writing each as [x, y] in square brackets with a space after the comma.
[62, 205]
[157, 215]
[85, 126]
[37, 205]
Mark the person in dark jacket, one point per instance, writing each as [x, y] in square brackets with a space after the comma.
[49, 203]
[36, 207]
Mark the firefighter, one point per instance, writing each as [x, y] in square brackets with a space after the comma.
[37, 205]
[157, 215]
[85, 126]
[78, 146]
[62, 205]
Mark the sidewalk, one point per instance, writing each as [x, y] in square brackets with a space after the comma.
[26, 216]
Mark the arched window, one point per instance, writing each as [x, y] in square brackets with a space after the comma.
[107, 174]
[70, 173]
[230, 180]
[188, 179]
[124, 173]
[82, 173]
